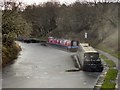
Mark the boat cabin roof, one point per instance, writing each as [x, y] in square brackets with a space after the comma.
[87, 48]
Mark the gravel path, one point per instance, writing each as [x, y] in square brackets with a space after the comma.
[110, 57]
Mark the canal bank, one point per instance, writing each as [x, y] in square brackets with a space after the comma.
[10, 53]
[45, 67]
[109, 76]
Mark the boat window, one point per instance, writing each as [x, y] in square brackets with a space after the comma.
[74, 43]
[67, 43]
[91, 56]
[58, 41]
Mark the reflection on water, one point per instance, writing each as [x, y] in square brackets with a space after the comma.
[44, 67]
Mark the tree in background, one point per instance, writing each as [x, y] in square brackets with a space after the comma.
[42, 17]
[13, 24]
[98, 19]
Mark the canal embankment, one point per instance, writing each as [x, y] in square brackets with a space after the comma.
[109, 76]
[10, 53]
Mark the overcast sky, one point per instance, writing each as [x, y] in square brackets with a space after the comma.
[41, 1]
[61, 1]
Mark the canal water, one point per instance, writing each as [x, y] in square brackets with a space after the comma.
[44, 67]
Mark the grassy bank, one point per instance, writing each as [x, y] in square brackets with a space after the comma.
[103, 57]
[9, 53]
[113, 53]
[110, 63]
[109, 79]
[43, 38]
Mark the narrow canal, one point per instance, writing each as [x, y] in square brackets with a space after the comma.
[44, 67]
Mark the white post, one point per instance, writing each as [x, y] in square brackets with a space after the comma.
[86, 36]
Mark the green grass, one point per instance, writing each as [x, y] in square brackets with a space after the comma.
[9, 53]
[103, 57]
[108, 86]
[113, 53]
[110, 63]
[43, 38]
[111, 75]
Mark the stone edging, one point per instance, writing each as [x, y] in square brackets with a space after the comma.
[100, 79]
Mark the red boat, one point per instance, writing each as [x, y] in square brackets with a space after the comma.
[69, 44]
